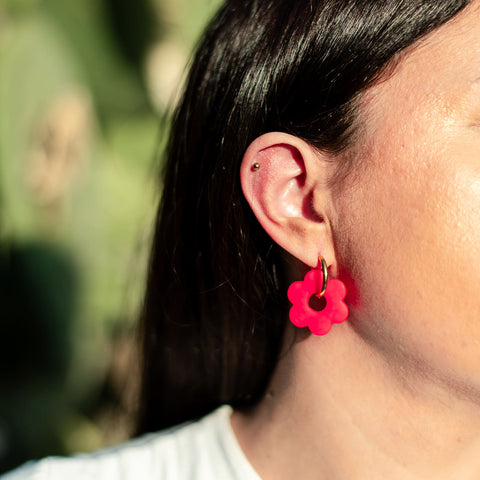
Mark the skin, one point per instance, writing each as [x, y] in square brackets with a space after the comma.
[394, 392]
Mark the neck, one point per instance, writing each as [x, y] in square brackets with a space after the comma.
[336, 409]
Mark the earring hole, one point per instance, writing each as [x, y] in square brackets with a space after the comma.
[317, 304]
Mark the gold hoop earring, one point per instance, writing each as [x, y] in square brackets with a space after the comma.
[323, 263]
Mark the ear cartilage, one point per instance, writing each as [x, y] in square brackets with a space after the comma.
[255, 166]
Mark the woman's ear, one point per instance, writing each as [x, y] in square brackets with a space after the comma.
[286, 182]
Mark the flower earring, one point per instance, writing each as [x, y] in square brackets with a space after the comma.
[316, 284]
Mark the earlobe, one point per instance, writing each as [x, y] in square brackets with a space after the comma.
[284, 181]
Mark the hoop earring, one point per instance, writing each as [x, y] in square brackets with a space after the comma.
[334, 291]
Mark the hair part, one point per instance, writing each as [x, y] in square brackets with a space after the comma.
[215, 304]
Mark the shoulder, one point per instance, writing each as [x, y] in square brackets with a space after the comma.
[192, 451]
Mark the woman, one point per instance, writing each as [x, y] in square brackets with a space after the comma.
[341, 138]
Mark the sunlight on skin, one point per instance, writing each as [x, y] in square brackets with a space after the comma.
[395, 391]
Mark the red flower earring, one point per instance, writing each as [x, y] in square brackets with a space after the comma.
[333, 291]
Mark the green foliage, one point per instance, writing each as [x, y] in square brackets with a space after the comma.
[79, 124]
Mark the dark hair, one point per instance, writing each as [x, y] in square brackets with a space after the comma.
[215, 304]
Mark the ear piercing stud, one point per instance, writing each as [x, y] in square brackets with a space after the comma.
[255, 166]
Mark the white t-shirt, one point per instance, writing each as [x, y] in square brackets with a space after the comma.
[202, 450]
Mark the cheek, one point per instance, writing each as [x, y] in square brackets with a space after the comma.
[409, 244]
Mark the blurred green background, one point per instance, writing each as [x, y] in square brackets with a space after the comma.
[83, 86]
